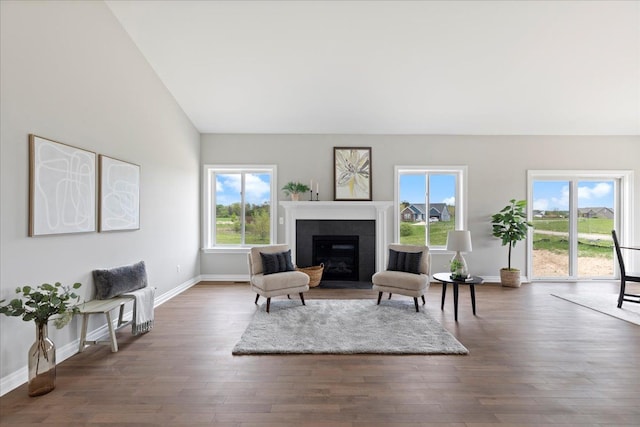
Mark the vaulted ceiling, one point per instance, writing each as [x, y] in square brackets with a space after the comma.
[396, 67]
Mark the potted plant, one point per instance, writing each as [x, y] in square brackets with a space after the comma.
[293, 189]
[39, 305]
[510, 225]
[457, 270]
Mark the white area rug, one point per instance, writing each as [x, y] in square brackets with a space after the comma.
[345, 327]
[607, 304]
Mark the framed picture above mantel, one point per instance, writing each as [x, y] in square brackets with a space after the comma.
[352, 173]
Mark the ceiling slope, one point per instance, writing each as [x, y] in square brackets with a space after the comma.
[396, 67]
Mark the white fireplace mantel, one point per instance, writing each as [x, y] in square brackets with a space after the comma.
[378, 211]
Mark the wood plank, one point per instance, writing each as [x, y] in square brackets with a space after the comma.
[534, 360]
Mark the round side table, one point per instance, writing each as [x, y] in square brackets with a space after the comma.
[445, 278]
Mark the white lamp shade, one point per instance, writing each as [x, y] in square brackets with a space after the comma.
[459, 240]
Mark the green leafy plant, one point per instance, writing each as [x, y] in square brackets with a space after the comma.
[510, 225]
[295, 188]
[43, 302]
[406, 229]
[456, 266]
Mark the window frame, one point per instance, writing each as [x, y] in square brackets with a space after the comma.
[623, 219]
[209, 213]
[461, 195]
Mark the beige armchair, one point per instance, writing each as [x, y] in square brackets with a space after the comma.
[284, 281]
[406, 274]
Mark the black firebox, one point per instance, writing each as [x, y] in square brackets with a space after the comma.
[339, 254]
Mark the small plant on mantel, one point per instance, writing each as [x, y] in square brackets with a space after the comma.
[293, 189]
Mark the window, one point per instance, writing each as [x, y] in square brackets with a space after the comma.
[429, 202]
[573, 213]
[239, 203]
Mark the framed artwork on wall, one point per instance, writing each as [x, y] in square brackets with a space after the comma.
[119, 184]
[62, 188]
[352, 173]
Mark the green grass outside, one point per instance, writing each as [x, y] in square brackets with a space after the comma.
[585, 225]
[551, 224]
[226, 234]
[586, 248]
[438, 233]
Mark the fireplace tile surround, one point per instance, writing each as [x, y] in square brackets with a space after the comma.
[344, 233]
[379, 211]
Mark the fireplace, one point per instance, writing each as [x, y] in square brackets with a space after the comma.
[340, 256]
[375, 244]
[333, 242]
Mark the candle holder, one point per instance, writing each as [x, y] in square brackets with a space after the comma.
[317, 197]
[311, 195]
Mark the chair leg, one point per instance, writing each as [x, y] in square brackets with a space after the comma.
[379, 297]
[302, 298]
[268, 303]
[415, 301]
[257, 296]
[423, 301]
[390, 295]
[622, 288]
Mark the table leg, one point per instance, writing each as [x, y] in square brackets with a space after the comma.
[83, 332]
[444, 292]
[112, 333]
[455, 300]
[473, 298]
[121, 316]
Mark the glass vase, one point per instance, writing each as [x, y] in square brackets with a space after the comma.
[42, 363]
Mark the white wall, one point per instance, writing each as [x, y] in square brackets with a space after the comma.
[70, 73]
[497, 172]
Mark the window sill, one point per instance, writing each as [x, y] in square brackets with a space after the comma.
[441, 250]
[227, 250]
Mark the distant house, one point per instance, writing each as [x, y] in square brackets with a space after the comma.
[413, 213]
[601, 212]
[416, 212]
[439, 211]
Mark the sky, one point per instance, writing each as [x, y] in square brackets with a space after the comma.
[443, 188]
[547, 195]
[551, 195]
[257, 188]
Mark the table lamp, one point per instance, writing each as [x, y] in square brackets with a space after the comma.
[459, 241]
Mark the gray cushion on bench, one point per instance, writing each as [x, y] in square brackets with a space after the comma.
[116, 281]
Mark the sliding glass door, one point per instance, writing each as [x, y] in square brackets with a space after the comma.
[573, 214]
[596, 218]
[551, 211]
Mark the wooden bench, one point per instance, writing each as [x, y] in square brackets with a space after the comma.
[104, 307]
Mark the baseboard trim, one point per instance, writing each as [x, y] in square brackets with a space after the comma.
[491, 279]
[21, 376]
[495, 280]
[176, 291]
[15, 379]
[224, 277]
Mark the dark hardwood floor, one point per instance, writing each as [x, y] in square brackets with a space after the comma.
[534, 360]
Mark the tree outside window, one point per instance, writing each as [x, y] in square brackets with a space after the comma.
[244, 199]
